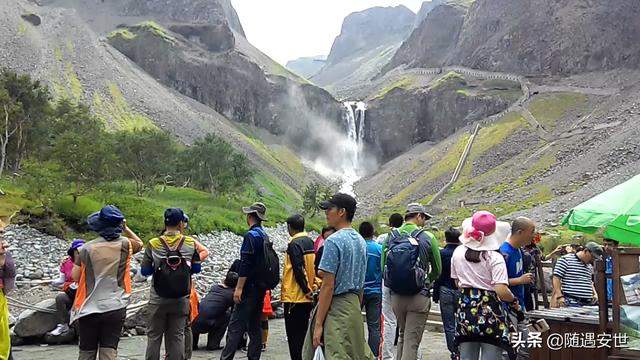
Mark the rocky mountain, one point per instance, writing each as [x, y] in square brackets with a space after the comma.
[65, 51]
[202, 62]
[566, 140]
[367, 41]
[431, 112]
[527, 37]
[307, 66]
[425, 9]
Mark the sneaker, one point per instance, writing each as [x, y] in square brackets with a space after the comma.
[59, 330]
[264, 347]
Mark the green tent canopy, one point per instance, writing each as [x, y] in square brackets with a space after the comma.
[617, 209]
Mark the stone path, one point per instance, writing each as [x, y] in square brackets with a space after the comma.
[433, 347]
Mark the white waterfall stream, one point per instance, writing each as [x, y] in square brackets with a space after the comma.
[354, 116]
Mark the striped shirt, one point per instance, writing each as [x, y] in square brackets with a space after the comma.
[576, 276]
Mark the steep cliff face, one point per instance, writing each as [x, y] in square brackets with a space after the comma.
[527, 36]
[191, 11]
[224, 78]
[433, 41]
[548, 36]
[366, 43]
[425, 9]
[406, 116]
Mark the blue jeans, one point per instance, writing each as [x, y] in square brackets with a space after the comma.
[372, 304]
[448, 306]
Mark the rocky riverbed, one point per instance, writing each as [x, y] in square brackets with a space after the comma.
[38, 257]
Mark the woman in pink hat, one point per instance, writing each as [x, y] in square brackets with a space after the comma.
[482, 331]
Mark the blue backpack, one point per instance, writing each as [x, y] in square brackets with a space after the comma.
[402, 272]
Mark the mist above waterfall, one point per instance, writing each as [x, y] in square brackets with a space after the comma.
[334, 148]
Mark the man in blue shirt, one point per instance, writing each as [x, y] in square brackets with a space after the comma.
[248, 296]
[337, 323]
[372, 298]
[522, 233]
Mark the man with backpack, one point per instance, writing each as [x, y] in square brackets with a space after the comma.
[412, 264]
[171, 259]
[259, 271]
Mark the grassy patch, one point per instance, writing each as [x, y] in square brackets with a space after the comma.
[543, 164]
[12, 201]
[463, 92]
[118, 111]
[22, 28]
[124, 34]
[451, 79]
[57, 54]
[156, 29]
[73, 83]
[487, 138]
[405, 82]
[446, 164]
[144, 214]
[549, 108]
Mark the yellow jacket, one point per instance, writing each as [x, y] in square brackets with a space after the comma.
[299, 277]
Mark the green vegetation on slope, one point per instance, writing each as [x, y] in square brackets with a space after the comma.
[406, 82]
[118, 111]
[122, 34]
[76, 166]
[156, 29]
[449, 80]
[549, 108]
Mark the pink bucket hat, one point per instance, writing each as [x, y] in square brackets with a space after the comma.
[482, 232]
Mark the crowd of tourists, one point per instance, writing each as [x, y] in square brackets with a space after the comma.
[483, 279]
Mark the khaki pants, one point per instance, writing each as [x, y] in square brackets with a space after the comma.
[411, 314]
[167, 320]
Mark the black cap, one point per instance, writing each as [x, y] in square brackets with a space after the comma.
[340, 201]
[174, 216]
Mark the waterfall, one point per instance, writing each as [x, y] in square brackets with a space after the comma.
[352, 149]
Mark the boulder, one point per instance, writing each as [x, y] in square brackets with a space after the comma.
[65, 338]
[32, 18]
[33, 323]
[16, 340]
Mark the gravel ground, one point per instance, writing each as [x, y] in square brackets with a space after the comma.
[433, 347]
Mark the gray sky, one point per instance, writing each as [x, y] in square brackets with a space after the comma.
[288, 29]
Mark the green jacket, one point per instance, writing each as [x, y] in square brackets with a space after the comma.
[434, 257]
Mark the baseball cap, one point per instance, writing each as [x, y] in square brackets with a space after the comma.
[594, 248]
[340, 201]
[174, 216]
[256, 208]
[417, 208]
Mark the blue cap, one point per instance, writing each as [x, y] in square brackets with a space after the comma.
[174, 216]
[108, 216]
[76, 244]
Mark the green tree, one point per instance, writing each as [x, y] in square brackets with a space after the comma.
[146, 156]
[44, 182]
[83, 147]
[211, 164]
[32, 123]
[8, 126]
[315, 193]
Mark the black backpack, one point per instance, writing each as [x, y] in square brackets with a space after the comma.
[172, 277]
[267, 272]
[402, 273]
